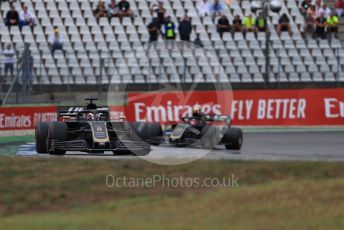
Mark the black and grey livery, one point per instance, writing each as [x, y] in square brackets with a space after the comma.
[205, 131]
[90, 130]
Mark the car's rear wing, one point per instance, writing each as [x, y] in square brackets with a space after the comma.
[221, 118]
[71, 112]
[215, 119]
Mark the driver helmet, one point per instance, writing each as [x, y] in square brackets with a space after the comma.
[122, 118]
[90, 117]
[196, 109]
[100, 117]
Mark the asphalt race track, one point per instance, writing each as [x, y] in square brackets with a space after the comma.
[260, 145]
[308, 145]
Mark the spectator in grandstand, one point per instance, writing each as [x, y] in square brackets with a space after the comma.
[160, 13]
[249, 24]
[100, 10]
[203, 8]
[170, 33]
[304, 7]
[237, 24]
[320, 25]
[223, 25]
[339, 6]
[185, 29]
[309, 25]
[154, 29]
[112, 9]
[56, 41]
[325, 10]
[332, 24]
[27, 18]
[318, 4]
[312, 10]
[261, 24]
[12, 17]
[8, 60]
[216, 9]
[284, 25]
[124, 8]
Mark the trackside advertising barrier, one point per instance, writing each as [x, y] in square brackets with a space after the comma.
[24, 118]
[308, 107]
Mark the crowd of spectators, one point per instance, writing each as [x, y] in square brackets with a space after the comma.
[163, 25]
[24, 18]
[113, 9]
[13, 18]
[321, 21]
[251, 24]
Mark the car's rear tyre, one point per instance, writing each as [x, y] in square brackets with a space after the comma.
[155, 133]
[41, 133]
[147, 132]
[141, 131]
[233, 139]
[57, 131]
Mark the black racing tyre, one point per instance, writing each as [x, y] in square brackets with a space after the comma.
[155, 132]
[141, 131]
[41, 133]
[233, 139]
[57, 131]
[147, 132]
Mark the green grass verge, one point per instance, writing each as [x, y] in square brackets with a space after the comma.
[9, 145]
[55, 193]
[18, 139]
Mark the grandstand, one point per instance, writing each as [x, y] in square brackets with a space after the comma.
[93, 49]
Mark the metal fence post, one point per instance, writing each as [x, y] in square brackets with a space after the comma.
[68, 72]
[40, 70]
[338, 67]
[108, 66]
[267, 44]
[100, 71]
[26, 62]
[16, 85]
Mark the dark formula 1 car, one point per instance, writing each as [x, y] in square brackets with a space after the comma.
[206, 131]
[90, 130]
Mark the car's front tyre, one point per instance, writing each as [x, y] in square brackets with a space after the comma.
[233, 139]
[41, 133]
[57, 131]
